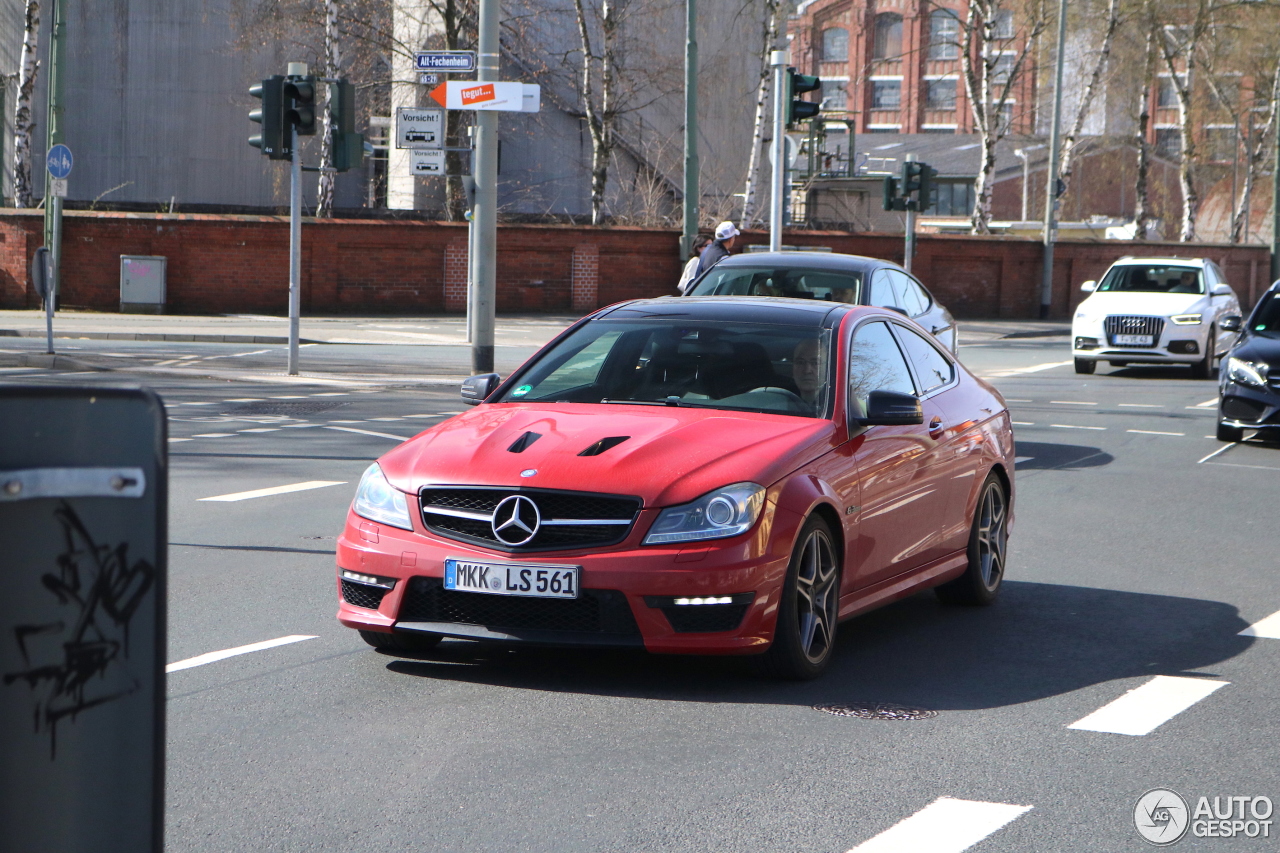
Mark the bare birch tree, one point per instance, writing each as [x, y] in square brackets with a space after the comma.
[1066, 157]
[601, 117]
[771, 24]
[1142, 187]
[23, 120]
[332, 66]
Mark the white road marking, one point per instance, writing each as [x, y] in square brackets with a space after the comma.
[276, 490]
[386, 419]
[247, 400]
[1022, 423]
[205, 403]
[1144, 708]
[1207, 404]
[1269, 628]
[1072, 403]
[1216, 452]
[1012, 400]
[1139, 406]
[299, 426]
[1073, 426]
[214, 435]
[262, 429]
[290, 397]
[370, 432]
[1018, 459]
[16, 369]
[1035, 368]
[332, 394]
[176, 440]
[1153, 432]
[346, 422]
[416, 416]
[211, 657]
[946, 825]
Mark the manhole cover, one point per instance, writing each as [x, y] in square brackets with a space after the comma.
[281, 408]
[877, 711]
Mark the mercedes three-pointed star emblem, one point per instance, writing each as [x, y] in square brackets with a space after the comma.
[516, 520]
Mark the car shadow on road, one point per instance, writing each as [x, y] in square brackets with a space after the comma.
[1043, 456]
[1039, 640]
[1157, 371]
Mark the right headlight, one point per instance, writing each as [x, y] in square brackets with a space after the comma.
[1247, 372]
[377, 500]
[725, 512]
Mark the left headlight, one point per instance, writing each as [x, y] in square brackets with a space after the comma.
[725, 512]
[1247, 372]
[377, 501]
[1187, 319]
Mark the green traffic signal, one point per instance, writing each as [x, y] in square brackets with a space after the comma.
[347, 147]
[300, 104]
[273, 140]
[798, 84]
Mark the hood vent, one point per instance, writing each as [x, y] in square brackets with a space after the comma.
[604, 444]
[521, 444]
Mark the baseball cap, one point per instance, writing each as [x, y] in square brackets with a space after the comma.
[725, 230]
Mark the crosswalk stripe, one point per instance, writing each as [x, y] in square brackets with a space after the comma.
[1268, 628]
[946, 825]
[1146, 707]
[211, 657]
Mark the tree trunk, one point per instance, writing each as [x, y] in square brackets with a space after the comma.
[332, 65]
[600, 119]
[1142, 201]
[772, 23]
[1065, 160]
[23, 122]
[1256, 151]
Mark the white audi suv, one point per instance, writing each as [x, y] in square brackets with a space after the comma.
[1155, 311]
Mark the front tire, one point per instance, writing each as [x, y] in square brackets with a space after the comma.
[988, 545]
[1203, 369]
[1086, 365]
[401, 642]
[805, 635]
[1230, 433]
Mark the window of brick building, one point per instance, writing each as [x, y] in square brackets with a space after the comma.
[1168, 142]
[1003, 21]
[888, 37]
[1166, 93]
[940, 94]
[835, 44]
[886, 94]
[944, 34]
[1221, 143]
[834, 96]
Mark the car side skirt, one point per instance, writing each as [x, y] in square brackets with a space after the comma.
[904, 585]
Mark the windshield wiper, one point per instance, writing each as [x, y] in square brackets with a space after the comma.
[634, 402]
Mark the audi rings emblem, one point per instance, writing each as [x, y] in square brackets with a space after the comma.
[516, 520]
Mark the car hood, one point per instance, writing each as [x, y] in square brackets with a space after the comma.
[671, 455]
[1258, 348]
[1149, 304]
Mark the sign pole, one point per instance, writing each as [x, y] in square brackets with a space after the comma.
[485, 216]
[52, 201]
[1051, 170]
[295, 245]
[909, 248]
[691, 191]
[778, 59]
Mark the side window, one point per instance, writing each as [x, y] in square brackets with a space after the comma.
[932, 368]
[882, 295]
[911, 297]
[876, 364]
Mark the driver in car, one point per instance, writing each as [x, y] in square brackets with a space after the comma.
[809, 371]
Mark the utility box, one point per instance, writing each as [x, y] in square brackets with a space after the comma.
[142, 284]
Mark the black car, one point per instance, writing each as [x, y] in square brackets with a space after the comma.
[828, 276]
[1249, 377]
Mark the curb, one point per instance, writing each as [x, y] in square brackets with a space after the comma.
[155, 336]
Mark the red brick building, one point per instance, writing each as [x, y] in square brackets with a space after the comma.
[894, 66]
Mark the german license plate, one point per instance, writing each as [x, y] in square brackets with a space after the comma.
[1135, 340]
[537, 580]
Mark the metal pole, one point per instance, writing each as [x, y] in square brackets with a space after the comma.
[1051, 186]
[1275, 213]
[778, 59]
[295, 249]
[691, 190]
[53, 204]
[471, 275]
[485, 214]
[909, 246]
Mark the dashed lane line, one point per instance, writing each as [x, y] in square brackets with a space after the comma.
[275, 490]
[1022, 423]
[212, 657]
[214, 435]
[1216, 452]
[371, 432]
[947, 825]
[1071, 403]
[261, 429]
[1207, 404]
[1035, 368]
[1139, 406]
[1145, 708]
[1268, 628]
[1074, 426]
[1154, 432]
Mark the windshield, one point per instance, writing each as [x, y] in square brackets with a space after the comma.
[828, 285]
[1266, 319]
[747, 367]
[1158, 278]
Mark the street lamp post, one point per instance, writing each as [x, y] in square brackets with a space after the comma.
[1051, 186]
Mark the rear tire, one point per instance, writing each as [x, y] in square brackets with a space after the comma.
[805, 634]
[1086, 365]
[401, 642]
[1203, 369]
[1230, 433]
[988, 544]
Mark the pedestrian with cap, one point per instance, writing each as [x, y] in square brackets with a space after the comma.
[726, 234]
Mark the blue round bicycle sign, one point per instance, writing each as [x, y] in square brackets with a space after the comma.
[59, 161]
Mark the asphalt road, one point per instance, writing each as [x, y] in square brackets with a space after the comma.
[1142, 547]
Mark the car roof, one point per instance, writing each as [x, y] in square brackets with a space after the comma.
[1183, 262]
[775, 310]
[806, 260]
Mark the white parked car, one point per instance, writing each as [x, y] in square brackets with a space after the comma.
[1155, 311]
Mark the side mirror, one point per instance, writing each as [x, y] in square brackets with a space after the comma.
[476, 388]
[890, 408]
[1089, 286]
[1220, 289]
[1231, 323]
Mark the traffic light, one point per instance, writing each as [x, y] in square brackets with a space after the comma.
[892, 201]
[347, 148]
[917, 180]
[798, 84]
[273, 140]
[300, 104]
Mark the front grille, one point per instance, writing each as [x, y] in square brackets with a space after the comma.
[595, 611]
[361, 595]
[1242, 409]
[706, 618]
[552, 506]
[1124, 324]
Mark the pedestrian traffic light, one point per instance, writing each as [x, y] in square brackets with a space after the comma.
[797, 85]
[273, 140]
[300, 104]
[346, 146]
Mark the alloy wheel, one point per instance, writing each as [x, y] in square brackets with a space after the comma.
[993, 535]
[816, 596]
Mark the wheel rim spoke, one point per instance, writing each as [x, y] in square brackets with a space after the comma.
[816, 596]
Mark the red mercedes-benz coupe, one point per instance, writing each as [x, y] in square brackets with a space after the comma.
[721, 475]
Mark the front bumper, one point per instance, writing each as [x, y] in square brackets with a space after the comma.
[1176, 344]
[632, 587]
[1249, 407]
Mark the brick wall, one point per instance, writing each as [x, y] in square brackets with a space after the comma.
[234, 264]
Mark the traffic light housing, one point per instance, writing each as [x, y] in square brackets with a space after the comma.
[273, 140]
[347, 146]
[300, 104]
[892, 201]
[798, 84]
